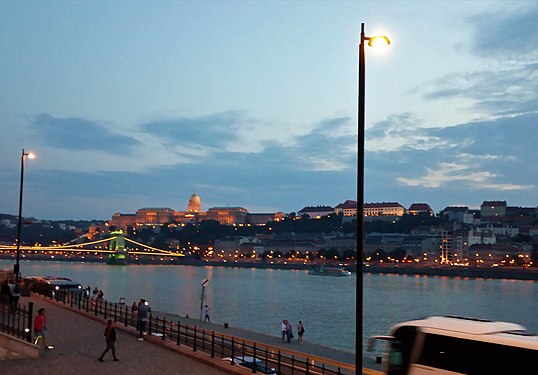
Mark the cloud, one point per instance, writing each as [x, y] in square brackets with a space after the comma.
[506, 34]
[509, 91]
[232, 131]
[331, 145]
[80, 134]
[213, 131]
[402, 132]
[447, 173]
[479, 160]
[507, 82]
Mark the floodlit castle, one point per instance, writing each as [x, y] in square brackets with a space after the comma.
[194, 214]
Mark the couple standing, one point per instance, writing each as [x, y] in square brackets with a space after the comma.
[287, 331]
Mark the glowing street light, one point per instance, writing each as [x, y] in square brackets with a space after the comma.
[374, 41]
[16, 267]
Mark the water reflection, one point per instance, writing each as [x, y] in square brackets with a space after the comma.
[259, 299]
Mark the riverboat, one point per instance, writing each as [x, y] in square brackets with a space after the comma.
[328, 271]
[457, 345]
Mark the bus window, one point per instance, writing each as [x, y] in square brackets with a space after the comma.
[476, 357]
[400, 350]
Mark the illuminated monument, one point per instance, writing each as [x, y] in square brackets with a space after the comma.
[117, 244]
[195, 204]
[193, 215]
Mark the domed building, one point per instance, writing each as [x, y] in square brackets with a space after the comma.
[194, 214]
[195, 204]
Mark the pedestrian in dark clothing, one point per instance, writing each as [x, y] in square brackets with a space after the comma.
[142, 312]
[110, 339]
[300, 332]
[5, 293]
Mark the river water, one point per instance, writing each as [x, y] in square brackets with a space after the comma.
[258, 299]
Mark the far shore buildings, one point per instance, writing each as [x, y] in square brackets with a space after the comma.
[462, 234]
[239, 215]
[194, 214]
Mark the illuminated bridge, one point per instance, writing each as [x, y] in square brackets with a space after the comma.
[113, 247]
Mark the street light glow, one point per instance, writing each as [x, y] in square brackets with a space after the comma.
[31, 155]
[378, 41]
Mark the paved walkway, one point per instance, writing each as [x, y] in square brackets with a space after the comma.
[78, 341]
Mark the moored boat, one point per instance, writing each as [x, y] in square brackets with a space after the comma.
[328, 271]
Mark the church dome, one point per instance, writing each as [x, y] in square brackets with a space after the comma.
[195, 204]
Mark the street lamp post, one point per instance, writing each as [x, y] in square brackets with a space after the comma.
[372, 41]
[16, 267]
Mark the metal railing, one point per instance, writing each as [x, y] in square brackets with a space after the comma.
[17, 321]
[217, 345]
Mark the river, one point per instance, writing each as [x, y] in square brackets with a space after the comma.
[258, 299]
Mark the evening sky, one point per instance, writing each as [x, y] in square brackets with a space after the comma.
[132, 104]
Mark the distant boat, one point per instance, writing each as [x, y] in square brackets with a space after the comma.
[328, 271]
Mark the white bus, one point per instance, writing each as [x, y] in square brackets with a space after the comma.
[449, 345]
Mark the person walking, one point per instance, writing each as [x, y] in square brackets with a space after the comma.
[142, 311]
[283, 329]
[110, 339]
[205, 312]
[300, 332]
[40, 328]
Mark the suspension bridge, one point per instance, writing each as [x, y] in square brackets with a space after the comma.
[114, 247]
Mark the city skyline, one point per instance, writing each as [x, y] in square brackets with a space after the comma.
[253, 104]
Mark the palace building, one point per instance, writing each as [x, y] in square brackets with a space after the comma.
[194, 214]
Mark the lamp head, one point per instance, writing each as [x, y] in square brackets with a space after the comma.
[378, 41]
[31, 155]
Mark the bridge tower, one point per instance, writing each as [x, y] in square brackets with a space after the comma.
[118, 246]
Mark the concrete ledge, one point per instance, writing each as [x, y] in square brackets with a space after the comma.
[12, 348]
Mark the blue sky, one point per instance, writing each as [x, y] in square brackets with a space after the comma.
[132, 104]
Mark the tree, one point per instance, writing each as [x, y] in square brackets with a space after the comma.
[349, 254]
[333, 253]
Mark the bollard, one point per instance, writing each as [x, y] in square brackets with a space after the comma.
[30, 321]
[213, 344]
[194, 340]
[253, 357]
[178, 332]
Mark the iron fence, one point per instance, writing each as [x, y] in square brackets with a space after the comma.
[17, 320]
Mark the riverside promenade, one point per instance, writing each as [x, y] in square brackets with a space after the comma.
[78, 341]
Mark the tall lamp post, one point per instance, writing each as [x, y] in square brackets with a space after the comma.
[16, 267]
[372, 42]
